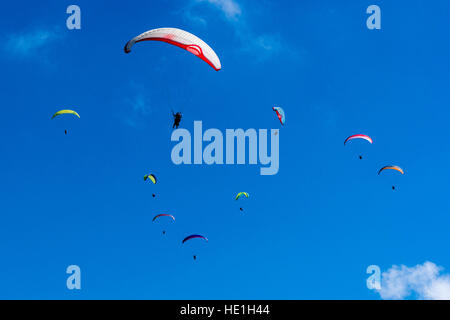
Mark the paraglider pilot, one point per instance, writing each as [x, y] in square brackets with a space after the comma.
[176, 119]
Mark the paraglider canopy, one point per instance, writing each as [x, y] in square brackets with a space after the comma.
[240, 194]
[150, 177]
[397, 168]
[280, 114]
[182, 39]
[194, 236]
[163, 215]
[60, 112]
[358, 136]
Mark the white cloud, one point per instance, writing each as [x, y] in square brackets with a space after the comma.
[230, 8]
[29, 43]
[188, 15]
[138, 106]
[421, 282]
[265, 45]
[261, 46]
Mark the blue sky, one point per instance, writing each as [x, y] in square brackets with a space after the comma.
[308, 232]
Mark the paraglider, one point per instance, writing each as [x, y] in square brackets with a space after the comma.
[150, 177]
[65, 111]
[239, 195]
[396, 168]
[194, 236]
[176, 119]
[280, 114]
[359, 136]
[163, 215]
[182, 39]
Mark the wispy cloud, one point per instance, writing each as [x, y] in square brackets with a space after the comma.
[193, 18]
[138, 106]
[27, 44]
[421, 281]
[230, 8]
[265, 45]
[138, 103]
[261, 46]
